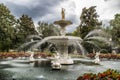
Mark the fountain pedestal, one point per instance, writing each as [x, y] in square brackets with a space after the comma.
[63, 24]
[62, 46]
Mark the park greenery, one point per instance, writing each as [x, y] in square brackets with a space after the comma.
[13, 31]
[109, 74]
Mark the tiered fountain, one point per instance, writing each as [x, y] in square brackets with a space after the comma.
[62, 42]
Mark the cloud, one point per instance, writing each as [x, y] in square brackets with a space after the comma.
[110, 8]
[33, 8]
[50, 10]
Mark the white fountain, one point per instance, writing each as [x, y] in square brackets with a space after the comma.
[62, 42]
[31, 58]
[56, 64]
[97, 59]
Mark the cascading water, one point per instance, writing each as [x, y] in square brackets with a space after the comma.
[62, 42]
[27, 46]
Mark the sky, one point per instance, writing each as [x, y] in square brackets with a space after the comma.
[50, 10]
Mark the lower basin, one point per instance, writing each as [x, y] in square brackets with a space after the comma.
[22, 70]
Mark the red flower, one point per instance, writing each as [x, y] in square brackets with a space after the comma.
[87, 77]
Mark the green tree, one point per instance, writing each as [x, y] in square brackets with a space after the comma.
[88, 20]
[7, 22]
[88, 23]
[24, 28]
[46, 29]
[115, 23]
[76, 32]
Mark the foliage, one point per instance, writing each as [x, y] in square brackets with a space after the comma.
[109, 74]
[24, 28]
[105, 56]
[88, 20]
[46, 29]
[7, 21]
[30, 42]
[96, 39]
[76, 32]
[88, 23]
[4, 55]
[115, 23]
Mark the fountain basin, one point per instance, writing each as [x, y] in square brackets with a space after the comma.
[63, 23]
[62, 39]
[68, 72]
[66, 61]
[71, 61]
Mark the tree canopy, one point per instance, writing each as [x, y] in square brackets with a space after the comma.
[7, 21]
[46, 29]
[115, 31]
[88, 20]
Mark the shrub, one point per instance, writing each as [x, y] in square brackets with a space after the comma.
[109, 74]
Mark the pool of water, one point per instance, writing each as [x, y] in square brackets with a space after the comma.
[22, 70]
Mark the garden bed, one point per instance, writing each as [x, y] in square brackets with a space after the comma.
[108, 56]
[110, 74]
[13, 55]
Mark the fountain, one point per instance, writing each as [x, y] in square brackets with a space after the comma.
[62, 42]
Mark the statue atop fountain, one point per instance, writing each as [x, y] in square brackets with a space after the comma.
[63, 14]
[63, 23]
[61, 42]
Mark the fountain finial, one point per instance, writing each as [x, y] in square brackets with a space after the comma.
[63, 23]
[63, 14]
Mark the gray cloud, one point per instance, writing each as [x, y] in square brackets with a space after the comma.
[42, 8]
[49, 10]
[73, 18]
[114, 4]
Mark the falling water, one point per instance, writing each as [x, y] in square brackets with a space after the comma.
[34, 36]
[31, 43]
[62, 42]
[99, 38]
[81, 48]
[25, 45]
[93, 43]
[97, 32]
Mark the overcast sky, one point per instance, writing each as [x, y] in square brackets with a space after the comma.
[50, 10]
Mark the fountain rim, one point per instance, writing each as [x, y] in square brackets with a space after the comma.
[63, 37]
[63, 23]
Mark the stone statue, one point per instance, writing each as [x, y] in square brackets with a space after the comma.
[63, 14]
[97, 59]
